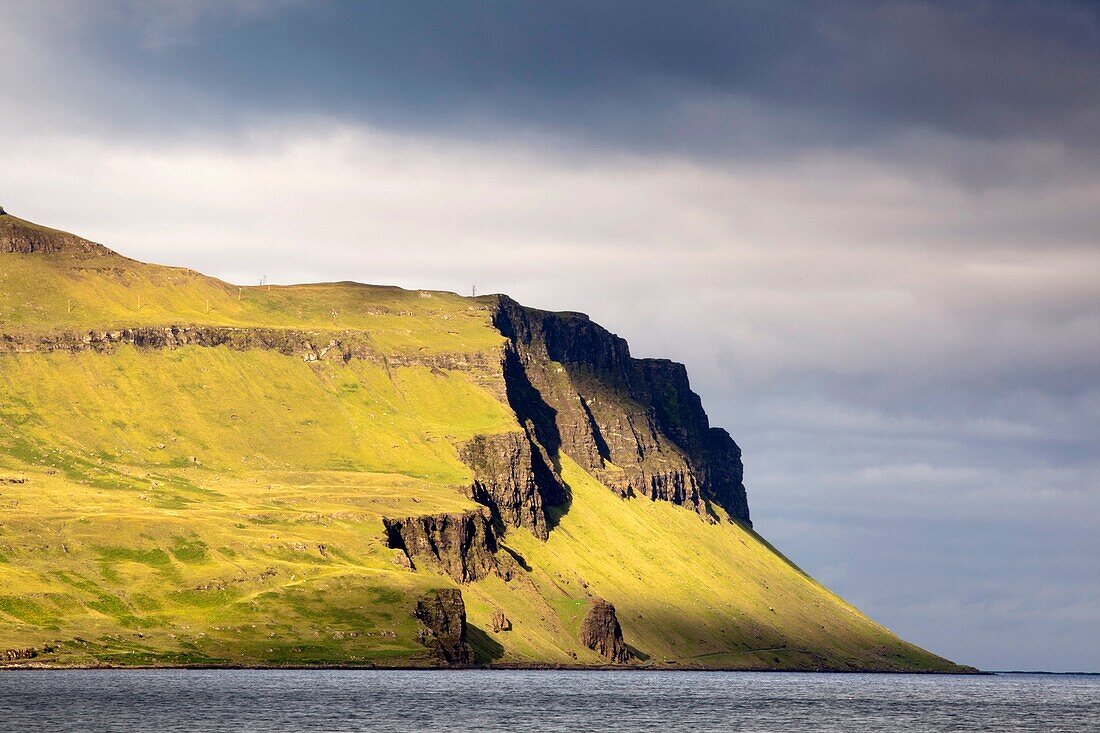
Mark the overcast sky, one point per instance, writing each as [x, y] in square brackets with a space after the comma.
[870, 229]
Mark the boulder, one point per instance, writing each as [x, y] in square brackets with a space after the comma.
[15, 655]
[500, 622]
[442, 614]
[600, 632]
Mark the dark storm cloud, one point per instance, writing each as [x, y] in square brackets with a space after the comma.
[704, 77]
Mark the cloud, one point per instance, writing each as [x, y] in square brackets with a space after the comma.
[837, 264]
[726, 79]
[166, 24]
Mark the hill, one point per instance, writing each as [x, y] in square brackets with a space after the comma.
[196, 473]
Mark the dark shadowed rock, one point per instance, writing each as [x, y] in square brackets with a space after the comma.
[514, 477]
[633, 423]
[20, 237]
[443, 616]
[600, 631]
[16, 655]
[461, 545]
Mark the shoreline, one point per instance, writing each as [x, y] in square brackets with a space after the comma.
[505, 668]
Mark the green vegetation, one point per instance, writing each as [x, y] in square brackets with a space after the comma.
[200, 505]
[64, 290]
[689, 594]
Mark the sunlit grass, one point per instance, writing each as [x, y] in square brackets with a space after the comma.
[211, 506]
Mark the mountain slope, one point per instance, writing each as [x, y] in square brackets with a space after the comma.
[197, 473]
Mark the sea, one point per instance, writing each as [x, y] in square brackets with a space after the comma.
[242, 701]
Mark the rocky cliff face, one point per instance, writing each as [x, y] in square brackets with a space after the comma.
[633, 423]
[463, 545]
[600, 632]
[514, 476]
[442, 614]
[309, 346]
[20, 237]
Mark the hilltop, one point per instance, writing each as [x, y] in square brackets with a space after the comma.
[198, 473]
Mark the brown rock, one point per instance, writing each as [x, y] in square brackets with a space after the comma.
[633, 423]
[461, 545]
[512, 476]
[500, 622]
[600, 631]
[20, 237]
[443, 615]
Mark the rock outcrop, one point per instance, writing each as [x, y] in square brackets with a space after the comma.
[310, 346]
[515, 477]
[600, 632]
[461, 545]
[500, 622]
[17, 655]
[20, 237]
[442, 614]
[633, 423]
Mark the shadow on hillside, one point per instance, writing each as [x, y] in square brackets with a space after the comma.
[555, 513]
[486, 649]
[520, 560]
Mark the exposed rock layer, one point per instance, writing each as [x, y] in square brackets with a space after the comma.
[600, 632]
[15, 655]
[310, 346]
[19, 237]
[515, 478]
[633, 423]
[461, 545]
[443, 615]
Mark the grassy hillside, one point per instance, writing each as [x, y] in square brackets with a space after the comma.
[65, 290]
[205, 505]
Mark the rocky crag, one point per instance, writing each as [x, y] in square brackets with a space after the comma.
[463, 546]
[20, 237]
[600, 632]
[443, 615]
[635, 424]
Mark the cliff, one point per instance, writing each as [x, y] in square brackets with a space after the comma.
[635, 424]
[198, 473]
[22, 237]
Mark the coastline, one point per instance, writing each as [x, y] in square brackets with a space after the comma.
[963, 672]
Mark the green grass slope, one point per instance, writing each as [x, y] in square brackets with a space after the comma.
[71, 290]
[213, 506]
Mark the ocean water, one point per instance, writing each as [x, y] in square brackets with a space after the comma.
[244, 701]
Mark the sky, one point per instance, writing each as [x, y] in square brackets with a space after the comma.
[871, 230]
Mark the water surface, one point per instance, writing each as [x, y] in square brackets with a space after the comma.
[244, 701]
